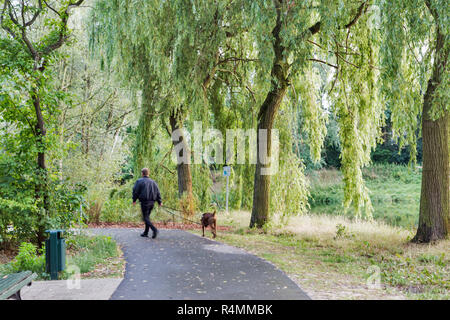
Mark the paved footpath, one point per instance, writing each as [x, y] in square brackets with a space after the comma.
[180, 265]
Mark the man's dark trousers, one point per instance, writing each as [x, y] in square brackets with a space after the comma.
[147, 208]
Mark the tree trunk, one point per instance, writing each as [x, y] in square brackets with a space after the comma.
[183, 169]
[184, 180]
[434, 198]
[435, 194]
[266, 117]
[261, 189]
[41, 190]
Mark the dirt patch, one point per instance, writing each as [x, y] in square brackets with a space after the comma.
[159, 225]
[336, 286]
[6, 256]
[113, 267]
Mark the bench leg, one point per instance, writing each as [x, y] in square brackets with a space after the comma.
[16, 296]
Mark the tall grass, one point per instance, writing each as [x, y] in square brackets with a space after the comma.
[325, 229]
[330, 252]
[89, 251]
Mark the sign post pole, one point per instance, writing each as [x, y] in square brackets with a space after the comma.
[227, 172]
[227, 192]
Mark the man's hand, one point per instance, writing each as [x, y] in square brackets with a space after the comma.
[134, 203]
[160, 204]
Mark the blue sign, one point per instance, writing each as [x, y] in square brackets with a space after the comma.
[226, 171]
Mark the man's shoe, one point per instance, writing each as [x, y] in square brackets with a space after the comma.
[144, 235]
[155, 234]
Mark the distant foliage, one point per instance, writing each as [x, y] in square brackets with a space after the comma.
[17, 221]
[202, 183]
[394, 191]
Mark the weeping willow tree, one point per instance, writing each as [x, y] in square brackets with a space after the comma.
[376, 52]
[152, 45]
[128, 55]
[415, 51]
[136, 41]
[292, 38]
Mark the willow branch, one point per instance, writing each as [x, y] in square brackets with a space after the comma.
[323, 62]
[316, 27]
[362, 9]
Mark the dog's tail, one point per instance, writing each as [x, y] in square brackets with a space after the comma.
[214, 213]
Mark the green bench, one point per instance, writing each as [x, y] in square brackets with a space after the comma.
[11, 284]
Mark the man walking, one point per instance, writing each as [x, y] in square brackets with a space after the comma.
[147, 191]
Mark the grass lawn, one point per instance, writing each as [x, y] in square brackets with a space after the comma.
[335, 258]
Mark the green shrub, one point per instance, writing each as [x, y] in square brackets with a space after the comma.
[28, 259]
[16, 221]
[20, 219]
[119, 210]
[342, 232]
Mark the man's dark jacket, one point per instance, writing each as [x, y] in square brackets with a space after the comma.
[147, 191]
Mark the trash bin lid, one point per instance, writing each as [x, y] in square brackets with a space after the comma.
[54, 231]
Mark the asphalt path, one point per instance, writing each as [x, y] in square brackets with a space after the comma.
[183, 266]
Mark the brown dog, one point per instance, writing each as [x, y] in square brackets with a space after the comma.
[209, 219]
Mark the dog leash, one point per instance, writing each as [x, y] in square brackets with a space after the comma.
[178, 215]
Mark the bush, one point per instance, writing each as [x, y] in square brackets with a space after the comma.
[28, 259]
[17, 221]
[22, 216]
[119, 210]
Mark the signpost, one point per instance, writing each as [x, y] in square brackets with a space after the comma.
[227, 173]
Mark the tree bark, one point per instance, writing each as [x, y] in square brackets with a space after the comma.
[85, 120]
[435, 194]
[261, 189]
[41, 189]
[266, 117]
[434, 198]
[183, 169]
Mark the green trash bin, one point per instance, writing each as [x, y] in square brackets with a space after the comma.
[55, 253]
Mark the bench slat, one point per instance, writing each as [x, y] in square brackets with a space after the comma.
[14, 282]
[8, 279]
